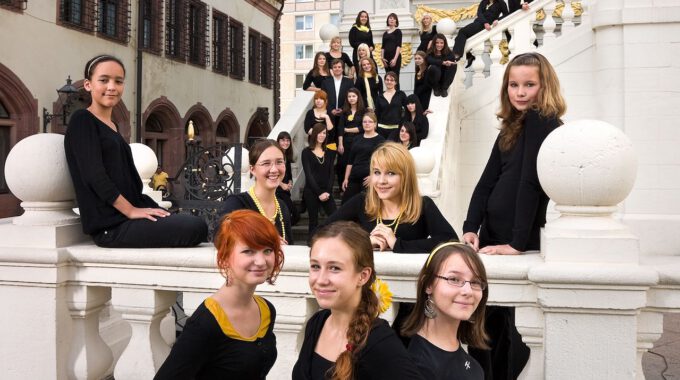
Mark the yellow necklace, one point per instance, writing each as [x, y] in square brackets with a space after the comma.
[251, 192]
[395, 222]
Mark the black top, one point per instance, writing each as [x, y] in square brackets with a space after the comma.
[487, 14]
[102, 168]
[426, 37]
[344, 57]
[391, 113]
[437, 60]
[383, 356]
[422, 236]
[422, 125]
[508, 201]
[346, 123]
[315, 79]
[311, 119]
[328, 85]
[356, 38]
[515, 5]
[245, 201]
[360, 156]
[422, 90]
[390, 43]
[289, 173]
[376, 87]
[318, 171]
[210, 348]
[437, 364]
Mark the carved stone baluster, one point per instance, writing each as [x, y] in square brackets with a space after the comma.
[567, 17]
[89, 357]
[549, 23]
[143, 309]
[496, 54]
[532, 35]
[478, 64]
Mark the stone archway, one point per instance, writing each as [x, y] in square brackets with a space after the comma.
[164, 133]
[227, 128]
[258, 126]
[203, 124]
[19, 120]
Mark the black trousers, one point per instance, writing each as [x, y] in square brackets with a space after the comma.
[175, 230]
[314, 205]
[440, 77]
[466, 32]
[508, 354]
[353, 188]
[343, 159]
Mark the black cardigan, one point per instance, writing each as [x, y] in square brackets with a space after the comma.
[420, 237]
[383, 356]
[102, 168]
[318, 177]
[245, 201]
[391, 113]
[508, 202]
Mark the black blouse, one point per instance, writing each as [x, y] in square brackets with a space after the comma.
[346, 123]
[376, 88]
[422, 90]
[344, 57]
[508, 202]
[360, 156]
[310, 79]
[422, 236]
[390, 43]
[318, 171]
[421, 123]
[437, 364]
[426, 37]
[391, 113]
[356, 38]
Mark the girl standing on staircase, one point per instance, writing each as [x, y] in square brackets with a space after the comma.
[318, 163]
[508, 205]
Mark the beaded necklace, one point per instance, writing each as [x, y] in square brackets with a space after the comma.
[394, 223]
[251, 192]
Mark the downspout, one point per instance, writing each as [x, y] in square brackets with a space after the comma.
[277, 66]
[138, 85]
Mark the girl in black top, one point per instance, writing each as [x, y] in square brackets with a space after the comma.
[449, 311]
[349, 129]
[363, 51]
[267, 167]
[108, 189]
[406, 136]
[283, 191]
[346, 339]
[360, 33]
[318, 73]
[421, 88]
[317, 162]
[488, 14]
[391, 45]
[319, 115]
[441, 67]
[369, 83]
[508, 205]
[390, 106]
[337, 53]
[357, 171]
[231, 334]
[427, 32]
[416, 115]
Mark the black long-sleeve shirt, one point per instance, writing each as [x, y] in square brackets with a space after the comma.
[426, 37]
[310, 79]
[422, 236]
[346, 123]
[360, 156]
[508, 202]
[318, 171]
[488, 13]
[356, 38]
[102, 168]
[422, 125]
[344, 57]
[391, 113]
[390, 43]
[422, 90]
[245, 201]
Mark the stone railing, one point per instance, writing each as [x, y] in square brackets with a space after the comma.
[587, 305]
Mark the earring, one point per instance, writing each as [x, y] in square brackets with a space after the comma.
[430, 311]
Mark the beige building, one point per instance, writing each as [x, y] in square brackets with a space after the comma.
[300, 24]
[213, 62]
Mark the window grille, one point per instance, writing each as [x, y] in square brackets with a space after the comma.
[266, 62]
[197, 33]
[78, 14]
[174, 29]
[237, 60]
[150, 35]
[113, 19]
[220, 43]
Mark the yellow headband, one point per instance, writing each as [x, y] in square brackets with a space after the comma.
[438, 248]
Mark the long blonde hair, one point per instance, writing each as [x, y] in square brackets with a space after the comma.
[549, 102]
[396, 158]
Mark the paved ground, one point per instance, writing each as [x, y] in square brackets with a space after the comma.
[663, 361]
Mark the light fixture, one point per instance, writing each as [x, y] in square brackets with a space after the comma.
[69, 90]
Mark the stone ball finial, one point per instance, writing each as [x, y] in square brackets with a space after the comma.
[587, 163]
[446, 26]
[328, 31]
[36, 169]
[145, 160]
[424, 160]
[229, 158]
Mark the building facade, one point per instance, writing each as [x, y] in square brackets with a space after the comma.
[186, 60]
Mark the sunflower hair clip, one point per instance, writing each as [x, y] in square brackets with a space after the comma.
[382, 291]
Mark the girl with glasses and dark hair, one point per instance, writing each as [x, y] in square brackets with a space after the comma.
[390, 106]
[451, 293]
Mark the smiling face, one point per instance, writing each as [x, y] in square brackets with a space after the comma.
[439, 44]
[453, 302]
[366, 66]
[386, 183]
[427, 21]
[524, 86]
[418, 60]
[284, 143]
[363, 18]
[107, 84]
[390, 82]
[319, 103]
[250, 266]
[321, 137]
[321, 61]
[336, 45]
[269, 169]
[404, 137]
[337, 69]
[333, 277]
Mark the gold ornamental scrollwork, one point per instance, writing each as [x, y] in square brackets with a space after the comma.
[470, 12]
[406, 54]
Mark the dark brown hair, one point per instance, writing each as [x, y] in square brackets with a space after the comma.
[433, 48]
[347, 108]
[92, 64]
[357, 22]
[360, 244]
[289, 153]
[387, 20]
[259, 147]
[315, 69]
[311, 140]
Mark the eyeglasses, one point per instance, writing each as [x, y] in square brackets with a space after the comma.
[455, 281]
[269, 164]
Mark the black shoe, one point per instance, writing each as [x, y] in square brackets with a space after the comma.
[436, 92]
[444, 93]
[470, 58]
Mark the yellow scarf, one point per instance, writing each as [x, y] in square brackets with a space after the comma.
[369, 96]
[362, 28]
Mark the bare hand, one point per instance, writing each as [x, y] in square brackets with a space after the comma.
[367, 181]
[323, 197]
[386, 234]
[495, 22]
[487, 26]
[471, 239]
[147, 213]
[344, 184]
[505, 249]
[336, 112]
[341, 149]
[525, 6]
[378, 243]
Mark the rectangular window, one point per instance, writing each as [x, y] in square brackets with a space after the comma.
[304, 51]
[304, 23]
[236, 50]
[266, 60]
[299, 80]
[79, 14]
[174, 33]
[220, 42]
[198, 32]
[335, 19]
[150, 35]
[113, 19]
[253, 56]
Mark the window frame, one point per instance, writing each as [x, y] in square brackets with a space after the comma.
[197, 28]
[236, 38]
[175, 20]
[154, 17]
[304, 23]
[87, 12]
[121, 20]
[304, 49]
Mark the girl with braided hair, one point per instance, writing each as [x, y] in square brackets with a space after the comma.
[346, 340]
